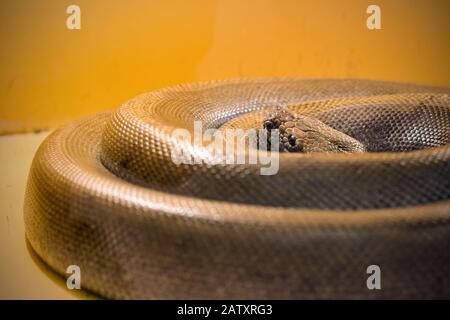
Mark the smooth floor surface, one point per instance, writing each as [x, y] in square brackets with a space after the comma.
[22, 274]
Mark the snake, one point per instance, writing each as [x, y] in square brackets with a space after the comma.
[363, 179]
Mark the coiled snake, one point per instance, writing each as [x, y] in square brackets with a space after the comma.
[104, 194]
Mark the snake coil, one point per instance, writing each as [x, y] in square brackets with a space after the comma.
[104, 194]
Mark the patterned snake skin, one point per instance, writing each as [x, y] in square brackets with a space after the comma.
[104, 194]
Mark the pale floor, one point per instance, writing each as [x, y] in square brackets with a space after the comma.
[22, 274]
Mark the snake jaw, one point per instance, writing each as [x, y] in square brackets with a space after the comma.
[305, 134]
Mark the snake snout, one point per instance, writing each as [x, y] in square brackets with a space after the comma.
[305, 134]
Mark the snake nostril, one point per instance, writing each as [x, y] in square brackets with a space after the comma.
[292, 139]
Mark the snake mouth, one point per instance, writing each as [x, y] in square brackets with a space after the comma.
[104, 194]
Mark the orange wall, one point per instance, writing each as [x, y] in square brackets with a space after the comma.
[50, 75]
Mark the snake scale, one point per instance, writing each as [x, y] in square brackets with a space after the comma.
[104, 194]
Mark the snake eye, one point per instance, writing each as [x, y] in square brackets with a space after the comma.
[268, 125]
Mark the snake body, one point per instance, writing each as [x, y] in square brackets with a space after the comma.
[104, 194]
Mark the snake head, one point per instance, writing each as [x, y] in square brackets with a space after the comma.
[300, 133]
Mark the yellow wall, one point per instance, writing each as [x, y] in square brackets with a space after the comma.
[49, 74]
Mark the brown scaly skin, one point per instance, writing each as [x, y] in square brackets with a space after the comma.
[304, 134]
